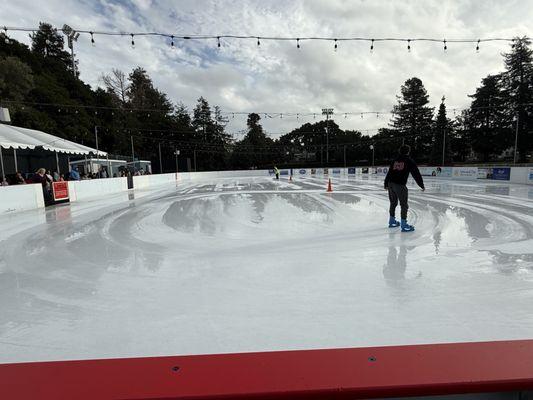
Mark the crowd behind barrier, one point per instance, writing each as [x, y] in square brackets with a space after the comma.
[20, 196]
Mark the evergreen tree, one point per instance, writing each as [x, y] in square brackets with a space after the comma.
[517, 82]
[412, 117]
[441, 151]
[487, 123]
[16, 79]
[48, 42]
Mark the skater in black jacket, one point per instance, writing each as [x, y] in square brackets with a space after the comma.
[395, 183]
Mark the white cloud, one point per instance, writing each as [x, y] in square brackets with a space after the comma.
[277, 77]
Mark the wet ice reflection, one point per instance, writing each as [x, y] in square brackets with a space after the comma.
[262, 265]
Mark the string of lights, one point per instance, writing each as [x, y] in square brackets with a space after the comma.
[298, 40]
[61, 107]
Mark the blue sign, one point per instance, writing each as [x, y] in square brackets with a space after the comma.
[303, 172]
[336, 171]
[351, 171]
[284, 172]
[271, 172]
[501, 174]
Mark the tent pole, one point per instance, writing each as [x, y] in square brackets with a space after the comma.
[57, 164]
[2, 165]
[15, 158]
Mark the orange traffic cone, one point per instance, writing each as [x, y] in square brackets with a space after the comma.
[330, 189]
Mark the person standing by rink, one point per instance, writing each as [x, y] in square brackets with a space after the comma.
[395, 183]
[276, 172]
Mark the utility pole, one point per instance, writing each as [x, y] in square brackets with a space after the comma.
[327, 112]
[194, 160]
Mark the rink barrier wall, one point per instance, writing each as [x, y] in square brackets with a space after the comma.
[28, 197]
[95, 188]
[500, 367]
[21, 198]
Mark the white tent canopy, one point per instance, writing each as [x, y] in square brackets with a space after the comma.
[22, 138]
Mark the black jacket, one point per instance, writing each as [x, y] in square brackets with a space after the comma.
[399, 171]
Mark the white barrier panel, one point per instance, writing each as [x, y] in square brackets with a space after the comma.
[21, 198]
[465, 173]
[89, 189]
[530, 176]
[145, 181]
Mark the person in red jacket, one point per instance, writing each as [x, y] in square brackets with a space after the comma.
[395, 183]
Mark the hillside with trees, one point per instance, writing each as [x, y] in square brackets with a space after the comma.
[131, 115]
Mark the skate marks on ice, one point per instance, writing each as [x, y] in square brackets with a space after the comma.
[257, 264]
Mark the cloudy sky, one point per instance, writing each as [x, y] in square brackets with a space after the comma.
[276, 76]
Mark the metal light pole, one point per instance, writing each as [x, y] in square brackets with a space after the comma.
[373, 150]
[72, 36]
[176, 153]
[96, 140]
[516, 139]
[344, 156]
[443, 145]
[327, 112]
[160, 160]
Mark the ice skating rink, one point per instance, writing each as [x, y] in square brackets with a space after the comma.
[251, 264]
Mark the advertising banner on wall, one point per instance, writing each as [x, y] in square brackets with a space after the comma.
[284, 172]
[464, 172]
[313, 171]
[530, 176]
[302, 172]
[60, 190]
[326, 171]
[444, 172]
[351, 171]
[336, 171]
[364, 170]
[484, 173]
[501, 174]
[382, 170]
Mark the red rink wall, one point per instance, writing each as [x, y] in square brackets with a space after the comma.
[353, 373]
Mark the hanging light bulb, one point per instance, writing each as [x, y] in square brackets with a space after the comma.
[172, 41]
[409, 45]
[258, 42]
[298, 43]
[361, 115]
[218, 41]
[335, 48]
[281, 115]
[477, 46]
[314, 116]
[372, 46]
[445, 46]
[92, 38]
[377, 115]
[132, 41]
[345, 115]
[6, 37]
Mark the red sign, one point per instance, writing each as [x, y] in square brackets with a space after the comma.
[60, 190]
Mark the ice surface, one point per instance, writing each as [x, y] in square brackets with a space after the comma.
[252, 264]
